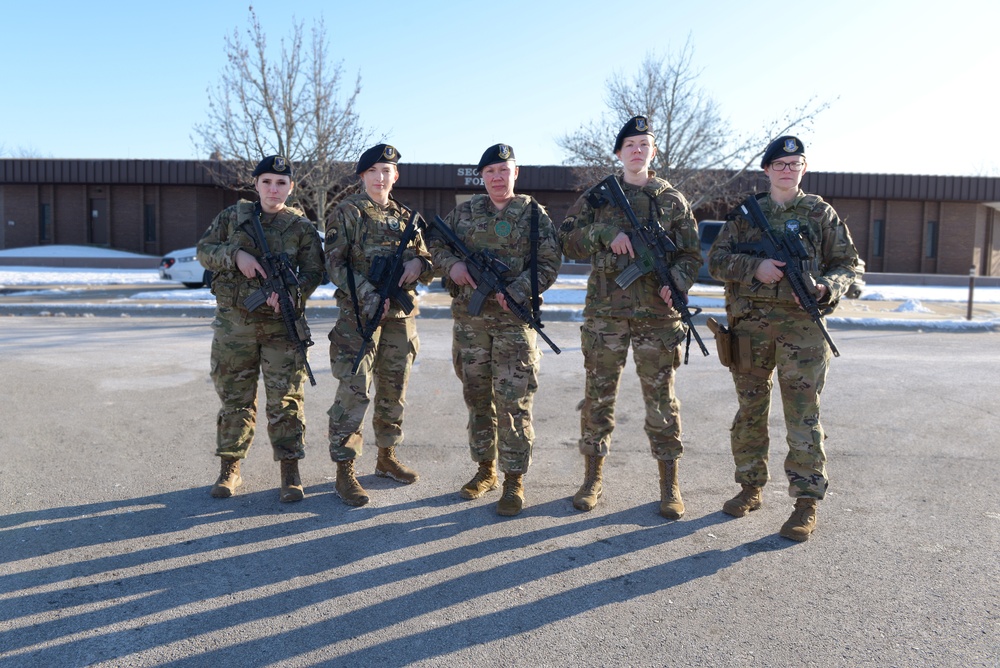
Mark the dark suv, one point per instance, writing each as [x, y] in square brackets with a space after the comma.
[707, 231]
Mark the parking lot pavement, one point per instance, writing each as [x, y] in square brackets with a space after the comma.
[114, 554]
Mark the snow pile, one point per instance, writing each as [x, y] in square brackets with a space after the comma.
[76, 276]
[911, 306]
[929, 293]
[58, 251]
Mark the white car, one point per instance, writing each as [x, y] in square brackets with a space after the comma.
[182, 265]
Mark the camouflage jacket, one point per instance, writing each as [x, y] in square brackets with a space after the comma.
[357, 231]
[833, 259]
[588, 232]
[288, 232]
[481, 226]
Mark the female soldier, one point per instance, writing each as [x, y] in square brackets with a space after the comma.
[641, 315]
[247, 343]
[774, 332]
[363, 227]
[495, 354]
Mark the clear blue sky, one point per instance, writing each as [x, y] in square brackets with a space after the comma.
[913, 83]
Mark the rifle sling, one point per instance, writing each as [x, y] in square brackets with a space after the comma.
[536, 310]
[351, 286]
[654, 222]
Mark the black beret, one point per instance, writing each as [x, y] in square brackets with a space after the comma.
[494, 154]
[273, 164]
[639, 125]
[782, 147]
[378, 153]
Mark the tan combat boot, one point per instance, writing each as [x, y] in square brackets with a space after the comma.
[802, 522]
[387, 466]
[512, 501]
[484, 481]
[291, 484]
[347, 486]
[748, 500]
[671, 503]
[586, 498]
[229, 479]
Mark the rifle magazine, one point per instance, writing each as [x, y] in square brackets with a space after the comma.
[629, 275]
[405, 301]
[256, 300]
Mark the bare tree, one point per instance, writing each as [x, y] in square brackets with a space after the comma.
[290, 106]
[698, 150]
[25, 152]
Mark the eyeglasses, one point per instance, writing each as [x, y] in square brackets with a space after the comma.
[782, 166]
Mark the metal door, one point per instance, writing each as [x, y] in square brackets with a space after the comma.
[97, 222]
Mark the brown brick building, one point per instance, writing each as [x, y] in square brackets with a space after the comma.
[900, 223]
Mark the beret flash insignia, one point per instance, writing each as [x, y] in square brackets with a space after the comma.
[791, 145]
[504, 151]
[641, 125]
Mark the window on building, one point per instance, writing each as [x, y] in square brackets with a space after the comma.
[878, 242]
[149, 223]
[930, 239]
[45, 223]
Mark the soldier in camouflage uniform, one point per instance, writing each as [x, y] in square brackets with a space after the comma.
[245, 343]
[496, 354]
[641, 315]
[774, 332]
[363, 226]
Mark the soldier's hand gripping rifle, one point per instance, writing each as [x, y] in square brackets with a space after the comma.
[651, 245]
[490, 275]
[280, 280]
[788, 249]
[385, 273]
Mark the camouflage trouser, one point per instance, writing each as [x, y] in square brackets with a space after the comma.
[240, 352]
[498, 365]
[387, 363]
[782, 338]
[655, 349]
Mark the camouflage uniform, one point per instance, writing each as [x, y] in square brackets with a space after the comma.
[495, 354]
[357, 232]
[615, 318]
[247, 343]
[781, 335]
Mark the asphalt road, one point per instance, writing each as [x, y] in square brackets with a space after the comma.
[112, 553]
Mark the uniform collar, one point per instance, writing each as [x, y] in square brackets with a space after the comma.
[790, 204]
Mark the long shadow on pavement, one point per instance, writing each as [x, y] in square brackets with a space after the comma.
[233, 562]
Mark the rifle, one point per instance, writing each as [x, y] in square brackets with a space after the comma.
[386, 270]
[280, 279]
[651, 245]
[790, 250]
[490, 275]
